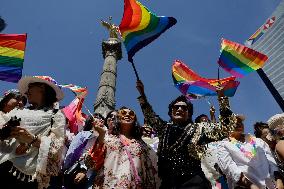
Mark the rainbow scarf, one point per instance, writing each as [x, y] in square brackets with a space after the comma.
[193, 86]
[12, 51]
[139, 26]
[240, 60]
[248, 153]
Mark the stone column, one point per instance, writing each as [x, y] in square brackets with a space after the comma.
[105, 101]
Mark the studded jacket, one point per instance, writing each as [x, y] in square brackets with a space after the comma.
[182, 146]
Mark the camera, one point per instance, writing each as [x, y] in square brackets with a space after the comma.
[7, 128]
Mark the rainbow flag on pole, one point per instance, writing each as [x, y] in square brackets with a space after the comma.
[12, 51]
[139, 26]
[240, 60]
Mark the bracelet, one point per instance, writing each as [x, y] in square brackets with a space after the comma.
[35, 137]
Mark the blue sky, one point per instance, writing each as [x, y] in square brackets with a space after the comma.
[64, 41]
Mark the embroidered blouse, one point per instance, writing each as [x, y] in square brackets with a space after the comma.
[121, 170]
[39, 163]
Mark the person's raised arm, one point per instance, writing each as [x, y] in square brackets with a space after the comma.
[227, 119]
[150, 117]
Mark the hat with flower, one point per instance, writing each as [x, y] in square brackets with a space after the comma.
[23, 84]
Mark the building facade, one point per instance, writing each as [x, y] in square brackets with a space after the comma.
[269, 40]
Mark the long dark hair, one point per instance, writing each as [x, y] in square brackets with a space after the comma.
[136, 131]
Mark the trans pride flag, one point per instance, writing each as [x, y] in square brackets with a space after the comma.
[139, 26]
[12, 51]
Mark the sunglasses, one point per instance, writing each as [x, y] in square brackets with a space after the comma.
[182, 107]
[130, 113]
[111, 116]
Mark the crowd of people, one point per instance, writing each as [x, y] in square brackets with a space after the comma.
[37, 149]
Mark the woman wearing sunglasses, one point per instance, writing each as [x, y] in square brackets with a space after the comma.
[121, 158]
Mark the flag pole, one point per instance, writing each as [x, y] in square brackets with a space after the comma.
[134, 68]
[88, 110]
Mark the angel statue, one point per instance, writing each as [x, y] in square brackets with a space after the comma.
[113, 29]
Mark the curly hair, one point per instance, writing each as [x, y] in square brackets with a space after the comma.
[136, 131]
[258, 127]
[181, 98]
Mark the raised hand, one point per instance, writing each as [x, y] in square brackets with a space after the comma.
[140, 87]
[220, 90]
[79, 177]
[98, 125]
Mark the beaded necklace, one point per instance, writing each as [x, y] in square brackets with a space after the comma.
[248, 153]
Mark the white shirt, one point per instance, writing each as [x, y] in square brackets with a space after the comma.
[259, 169]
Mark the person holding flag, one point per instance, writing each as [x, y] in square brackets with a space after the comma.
[182, 143]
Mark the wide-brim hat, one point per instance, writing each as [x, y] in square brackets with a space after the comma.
[24, 82]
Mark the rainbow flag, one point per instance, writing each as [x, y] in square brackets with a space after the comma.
[139, 26]
[12, 51]
[79, 91]
[258, 34]
[194, 86]
[240, 60]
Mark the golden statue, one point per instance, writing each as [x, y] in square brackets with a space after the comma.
[113, 29]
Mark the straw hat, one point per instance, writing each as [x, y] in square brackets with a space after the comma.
[23, 84]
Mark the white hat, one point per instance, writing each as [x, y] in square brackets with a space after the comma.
[276, 121]
[23, 84]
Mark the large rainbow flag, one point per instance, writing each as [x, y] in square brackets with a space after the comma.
[194, 86]
[12, 51]
[240, 60]
[139, 26]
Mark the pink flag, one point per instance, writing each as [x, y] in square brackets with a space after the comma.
[73, 113]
